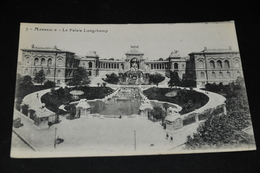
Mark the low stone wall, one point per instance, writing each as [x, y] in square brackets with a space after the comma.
[197, 116]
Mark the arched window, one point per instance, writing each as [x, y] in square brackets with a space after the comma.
[48, 72]
[34, 72]
[201, 64]
[90, 65]
[26, 72]
[175, 65]
[212, 64]
[236, 63]
[238, 74]
[228, 75]
[213, 75]
[36, 61]
[226, 64]
[202, 75]
[27, 61]
[90, 73]
[160, 66]
[43, 62]
[60, 61]
[49, 61]
[220, 75]
[58, 73]
[219, 64]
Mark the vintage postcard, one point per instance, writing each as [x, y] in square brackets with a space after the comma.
[138, 89]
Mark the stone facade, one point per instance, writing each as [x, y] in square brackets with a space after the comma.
[90, 62]
[58, 65]
[215, 66]
[207, 66]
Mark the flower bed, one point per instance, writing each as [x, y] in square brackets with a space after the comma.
[188, 100]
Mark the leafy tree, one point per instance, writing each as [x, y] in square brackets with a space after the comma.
[39, 77]
[24, 86]
[27, 80]
[19, 80]
[112, 78]
[215, 132]
[156, 78]
[174, 79]
[80, 77]
[240, 81]
[49, 84]
[188, 81]
[157, 113]
[224, 130]
[220, 86]
[52, 90]
[160, 59]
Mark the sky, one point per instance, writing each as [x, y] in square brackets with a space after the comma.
[113, 41]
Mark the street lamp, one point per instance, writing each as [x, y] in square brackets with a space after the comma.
[55, 137]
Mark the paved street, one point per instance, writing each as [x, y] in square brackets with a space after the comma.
[96, 136]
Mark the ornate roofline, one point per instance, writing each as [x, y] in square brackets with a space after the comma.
[46, 49]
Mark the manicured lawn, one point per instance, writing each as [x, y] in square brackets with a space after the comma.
[61, 96]
[189, 100]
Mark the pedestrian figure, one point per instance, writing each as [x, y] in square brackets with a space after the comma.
[167, 136]
[37, 95]
[171, 139]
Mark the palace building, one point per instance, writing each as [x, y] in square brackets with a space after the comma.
[57, 64]
[215, 66]
[207, 66]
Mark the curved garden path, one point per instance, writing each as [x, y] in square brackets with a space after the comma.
[42, 141]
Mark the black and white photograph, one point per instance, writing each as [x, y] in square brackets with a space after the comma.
[86, 90]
